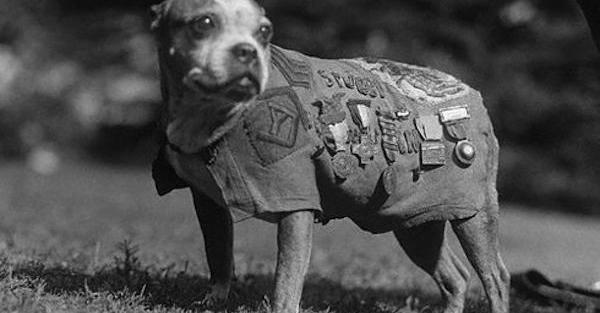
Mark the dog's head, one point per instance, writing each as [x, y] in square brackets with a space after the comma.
[217, 49]
[214, 57]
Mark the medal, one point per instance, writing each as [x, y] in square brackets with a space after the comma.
[344, 164]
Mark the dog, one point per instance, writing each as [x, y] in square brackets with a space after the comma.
[255, 130]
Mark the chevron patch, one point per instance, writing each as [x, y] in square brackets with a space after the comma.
[296, 72]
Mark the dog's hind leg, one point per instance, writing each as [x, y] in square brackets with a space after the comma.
[426, 245]
[217, 229]
[478, 236]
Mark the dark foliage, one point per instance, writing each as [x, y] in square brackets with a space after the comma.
[533, 60]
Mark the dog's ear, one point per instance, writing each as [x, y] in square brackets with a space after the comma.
[158, 13]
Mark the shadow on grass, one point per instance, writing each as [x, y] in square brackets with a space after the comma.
[182, 290]
[249, 293]
[126, 276]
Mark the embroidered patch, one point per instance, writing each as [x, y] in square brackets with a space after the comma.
[275, 126]
[421, 84]
[296, 72]
[367, 86]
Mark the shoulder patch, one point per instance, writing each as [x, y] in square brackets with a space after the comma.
[296, 72]
[277, 124]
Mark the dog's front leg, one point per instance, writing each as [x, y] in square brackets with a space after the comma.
[294, 241]
[217, 229]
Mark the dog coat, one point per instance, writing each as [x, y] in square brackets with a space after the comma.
[383, 143]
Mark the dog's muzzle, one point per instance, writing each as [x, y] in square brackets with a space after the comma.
[242, 87]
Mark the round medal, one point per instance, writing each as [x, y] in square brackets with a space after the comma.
[344, 164]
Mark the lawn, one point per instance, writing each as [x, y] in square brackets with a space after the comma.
[96, 238]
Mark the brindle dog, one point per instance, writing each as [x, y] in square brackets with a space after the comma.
[215, 60]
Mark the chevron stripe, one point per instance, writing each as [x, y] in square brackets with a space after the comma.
[296, 72]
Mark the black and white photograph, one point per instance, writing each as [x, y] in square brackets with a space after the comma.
[280, 156]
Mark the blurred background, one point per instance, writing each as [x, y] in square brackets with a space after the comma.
[79, 97]
[78, 79]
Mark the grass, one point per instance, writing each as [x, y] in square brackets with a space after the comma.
[93, 238]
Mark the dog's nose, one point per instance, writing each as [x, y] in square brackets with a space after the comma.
[245, 53]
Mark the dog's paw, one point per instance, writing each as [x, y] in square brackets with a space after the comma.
[215, 297]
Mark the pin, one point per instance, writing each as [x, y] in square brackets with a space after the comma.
[339, 132]
[389, 135]
[453, 114]
[465, 152]
[429, 127]
[403, 115]
[433, 153]
[360, 110]
[344, 164]
[457, 131]
[365, 152]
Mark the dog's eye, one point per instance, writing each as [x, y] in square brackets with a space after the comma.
[202, 25]
[265, 32]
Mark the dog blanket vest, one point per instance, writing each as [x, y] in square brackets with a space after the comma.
[380, 142]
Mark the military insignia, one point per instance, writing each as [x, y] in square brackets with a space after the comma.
[283, 127]
[389, 135]
[344, 165]
[433, 153]
[429, 127]
[367, 86]
[360, 110]
[296, 72]
[418, 83]
[457, 131]
[403, 115]
[273, 124]
[365, 150]
[454, 119]
[454, 114]
[330, 109]
[333, 117]
[465, 152]
[413, 143]
[339, 132]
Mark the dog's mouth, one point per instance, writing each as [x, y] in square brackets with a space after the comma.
[238, 89]
[242, 88]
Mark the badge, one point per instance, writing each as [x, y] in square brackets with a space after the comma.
[429, 127]
[455, 119]
[453, 114]
[344, 164]
[360, 110]
[433, 153]
[339, 132]
[457, 131]
[389, 136]
[403, 115]
[364, 151]
[465, 152]
[331, 110]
